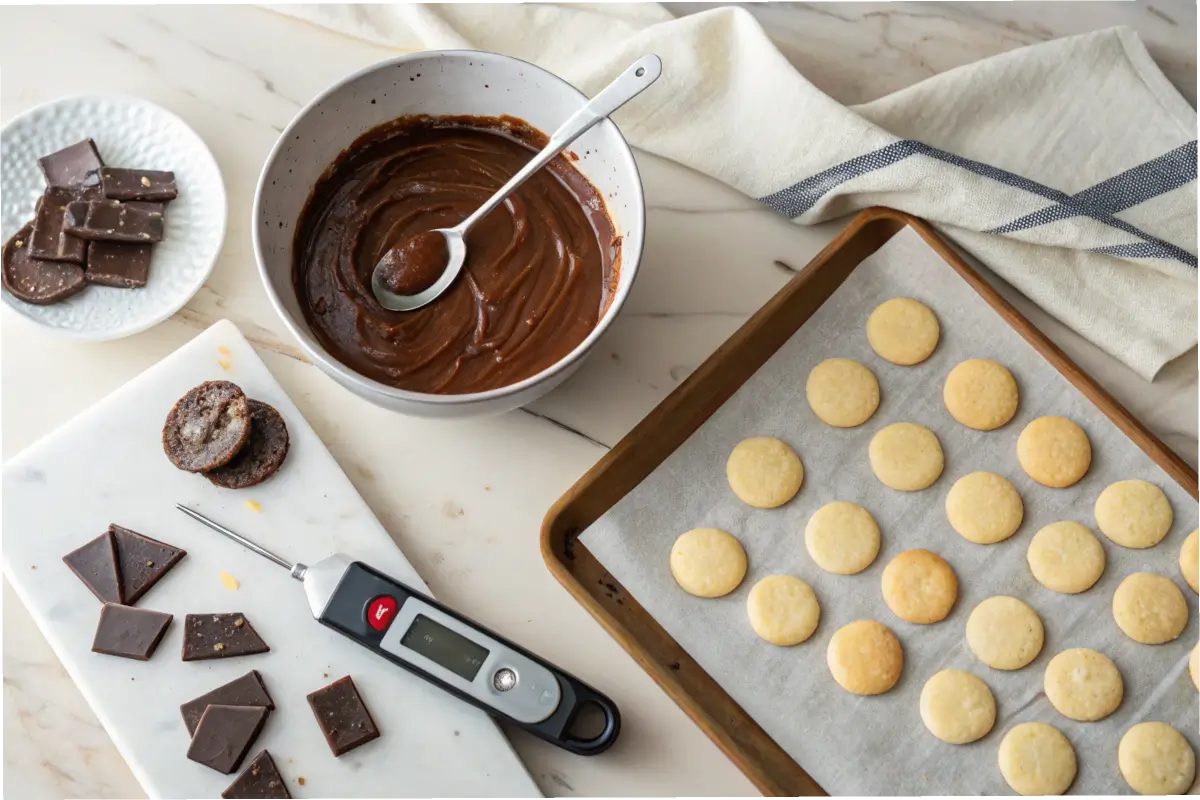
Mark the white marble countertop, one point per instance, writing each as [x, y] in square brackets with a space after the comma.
[237, 75]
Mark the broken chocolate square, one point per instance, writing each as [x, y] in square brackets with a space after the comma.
[129, 632]
[259, 781]
[96, 565]
[248, 690]
[343, 716]
[125, 266]
[208, 636]
[35, 280]
[49, 241]
[225, 734]
[143, 561]
[71, 165]
[138, 184]
[113, 221]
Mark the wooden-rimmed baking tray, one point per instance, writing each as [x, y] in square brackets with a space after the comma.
[767, 765]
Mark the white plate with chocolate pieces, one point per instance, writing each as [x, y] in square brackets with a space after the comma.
[113, 215]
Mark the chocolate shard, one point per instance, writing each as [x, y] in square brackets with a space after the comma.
[225, 734]
[143, 561]
[208, 636]
[36, 280]
[49, 241]
[343, 716]
[248, 690]
[124, 266]
[129, 632]
[96, 565]
[259, 781]
[71, 165]
[138, 184]
[113, 221]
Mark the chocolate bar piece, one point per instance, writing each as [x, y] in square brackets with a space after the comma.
[259, 781]
[71, 165]
[129, 632]
[49, 241]
[125, 266]
[96, 565]
[113, 221]
[138, 184]
[225, 734]
[208, 636]
[142, 561]
[248, 690]
[343, 716]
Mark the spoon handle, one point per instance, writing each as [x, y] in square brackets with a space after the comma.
[628, 85]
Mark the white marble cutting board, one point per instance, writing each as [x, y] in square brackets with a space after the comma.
[107, 465]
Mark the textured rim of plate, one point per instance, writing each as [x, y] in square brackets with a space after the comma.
[167, 312]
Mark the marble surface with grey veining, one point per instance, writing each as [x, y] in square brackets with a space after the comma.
[238, 75]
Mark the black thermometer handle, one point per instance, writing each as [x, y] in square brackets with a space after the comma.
[365, 606]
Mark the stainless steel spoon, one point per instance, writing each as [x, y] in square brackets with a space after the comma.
[629, 84]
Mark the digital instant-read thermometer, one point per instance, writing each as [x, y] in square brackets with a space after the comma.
[464, 658]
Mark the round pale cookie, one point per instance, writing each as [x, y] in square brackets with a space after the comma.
[865, 657]
[842, 392]
[1066, 557]
[1083, 685]
[1005, 633]
[1189, 560]
[1054, 451]
[906, 456]
[1154, 758]
[984, 508]
[1149, 608]
[707, 562]
[980, 394]
[919, 586]
[764, 472]
[1194, 666]
[1133, 514]
[903, 331]
[957, 707]
[783, 610]
[1036, 759]
[842, 538]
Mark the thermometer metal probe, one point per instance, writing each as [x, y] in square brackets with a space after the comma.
[445, 648]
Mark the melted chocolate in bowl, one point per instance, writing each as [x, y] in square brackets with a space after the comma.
[539, 273]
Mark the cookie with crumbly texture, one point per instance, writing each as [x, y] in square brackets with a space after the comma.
[842, 392]
[764, 472]
[1149, 608]
[865, 657]
[919, 586]
[261, 456]
[1054, 451]
[1005, 633]
[957, 707]
[783, 610]
[984, 508]
[1156, 759]
[207, 427]
[1036, 759]
[842, 538]
[981, 394]
[906, 456]
[903, 331]
[1083, 685]
[1066, 557]
[708, 562]
[1134, 514]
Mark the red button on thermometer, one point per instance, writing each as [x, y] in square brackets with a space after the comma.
[380, 612]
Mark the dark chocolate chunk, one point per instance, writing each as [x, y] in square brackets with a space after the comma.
[261, 456]
[96, 565]
[71, 165]
[208, 636]
[138, 184]
[125, 266]
[343, 716]
[36, 280]
[129, 632]
[142, 561]
[207, 427]
[225, 734]
[113, 221]
[248, 690]
[49, 240]
[259, 781]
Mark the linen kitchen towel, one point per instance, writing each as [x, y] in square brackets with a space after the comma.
[1069, 167]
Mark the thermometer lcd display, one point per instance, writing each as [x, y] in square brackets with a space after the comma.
[454, 652]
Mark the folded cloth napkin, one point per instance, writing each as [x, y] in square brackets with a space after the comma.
[1069, 167]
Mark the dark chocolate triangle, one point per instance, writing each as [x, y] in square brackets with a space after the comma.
[96, 565]
[143, 561]
[129, 632]
[208, 636]
[225, 734]
[248, 690]
[259, 781]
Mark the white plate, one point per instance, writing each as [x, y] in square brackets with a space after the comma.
[129, 132]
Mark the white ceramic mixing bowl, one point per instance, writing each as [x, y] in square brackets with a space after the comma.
[436, 83]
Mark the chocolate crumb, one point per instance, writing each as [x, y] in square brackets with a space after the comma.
[218, 646]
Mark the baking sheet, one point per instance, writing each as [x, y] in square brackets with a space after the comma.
[878, 745]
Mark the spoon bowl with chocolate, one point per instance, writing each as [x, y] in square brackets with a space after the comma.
[420, 143]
